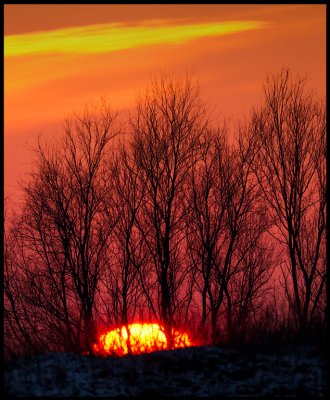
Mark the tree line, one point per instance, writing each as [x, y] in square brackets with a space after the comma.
[171, 218]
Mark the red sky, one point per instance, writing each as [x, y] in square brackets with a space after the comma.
[59, 57]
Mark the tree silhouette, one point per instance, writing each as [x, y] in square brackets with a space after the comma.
[126, 281]
[290, 129]
[62, 232]
[225, 230]
[165, 131]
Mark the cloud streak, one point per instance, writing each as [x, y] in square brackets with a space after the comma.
[106, 38]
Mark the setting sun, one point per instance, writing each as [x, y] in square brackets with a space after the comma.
[138, 338]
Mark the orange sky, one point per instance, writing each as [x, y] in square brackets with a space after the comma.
[58, 57]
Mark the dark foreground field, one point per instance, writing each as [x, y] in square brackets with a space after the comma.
[199, 371]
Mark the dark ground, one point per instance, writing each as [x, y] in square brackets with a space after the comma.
[298, 371]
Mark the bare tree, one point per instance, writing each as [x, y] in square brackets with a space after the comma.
[165, 130]
[205, 219]
[249, 287]
[250, 255]
[62, 232]
[125, 282]
[225, 228]
[15, 309]
[290, 128]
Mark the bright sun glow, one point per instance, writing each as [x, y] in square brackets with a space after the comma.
[139, 338]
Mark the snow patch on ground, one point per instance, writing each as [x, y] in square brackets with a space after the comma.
[195, 371]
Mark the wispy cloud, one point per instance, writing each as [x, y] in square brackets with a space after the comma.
[113, 37]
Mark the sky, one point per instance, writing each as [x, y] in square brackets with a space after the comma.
[59, 57]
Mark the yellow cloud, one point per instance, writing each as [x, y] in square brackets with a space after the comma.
[112, 37]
